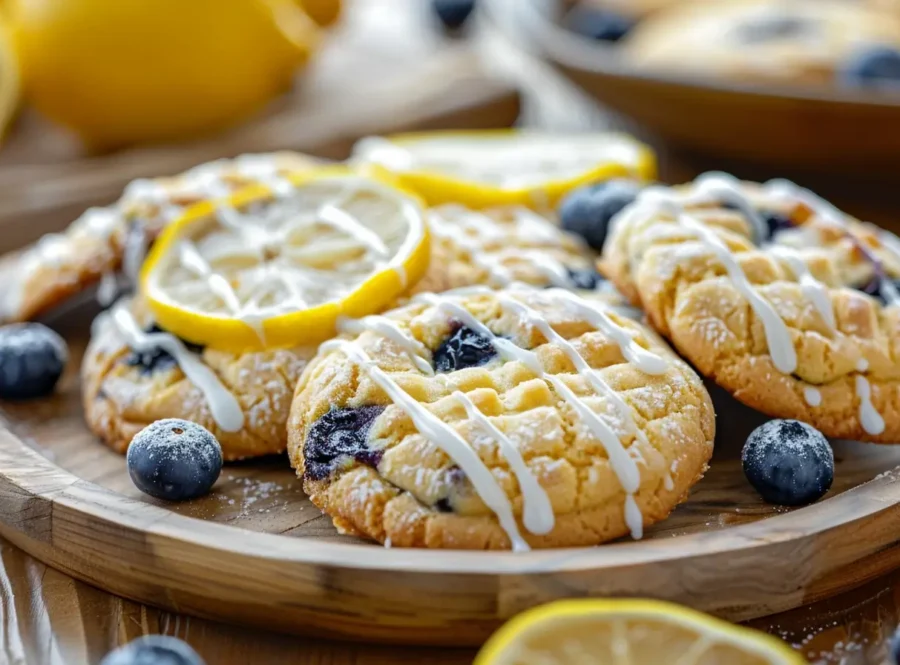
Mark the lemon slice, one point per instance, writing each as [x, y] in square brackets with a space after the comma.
[629, 632]
[276, 265]
[505, 167]
[10, 82]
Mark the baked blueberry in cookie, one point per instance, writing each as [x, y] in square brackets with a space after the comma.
[600, 24]
[788, 462]
[32, 358]
[463, 348]
[498, 419]
[338, 435]
[872, 66]
[588, 210]
[154, 359]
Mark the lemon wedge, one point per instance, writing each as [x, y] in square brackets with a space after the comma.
[504, 167]
[629, 632]
[276, 265]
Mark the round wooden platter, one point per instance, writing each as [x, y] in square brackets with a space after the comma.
[256, 551]
[786, 129]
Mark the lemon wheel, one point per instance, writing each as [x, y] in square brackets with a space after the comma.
[504, 167]
[268, 268]
[629, 632]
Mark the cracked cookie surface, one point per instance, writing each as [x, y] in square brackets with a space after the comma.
[487, 420]
[801, 323]
[124, 390]
[103, 240]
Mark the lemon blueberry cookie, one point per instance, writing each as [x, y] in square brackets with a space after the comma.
[771, 41]
[102, 240]
[235, 295]
[498, 419]
[796, 313]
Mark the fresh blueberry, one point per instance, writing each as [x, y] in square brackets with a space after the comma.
[453, 13]
[874, 65]
[600, 24]
[32, 358]
[156, 360]
[788, 462]
[154, 650]
[588, 210]
[463, 348]
[771, 28]
[339, 434]
[174, 459]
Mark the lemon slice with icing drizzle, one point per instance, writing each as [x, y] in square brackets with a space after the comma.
[276, 265]
[504, 167]
[629, 632]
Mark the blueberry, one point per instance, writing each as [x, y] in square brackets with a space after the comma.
[771, 28]
[874, 65]
[154, 650]
[463, 348]
[586, 278]
[588, 210]
[32, 358]
[174, 459]
[788, 462]
[453, 13]
[775, 221]
[599, 24]
[875, 288]
[156, 360]
[339, 434]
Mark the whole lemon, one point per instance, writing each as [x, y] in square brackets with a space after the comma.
[119, 72]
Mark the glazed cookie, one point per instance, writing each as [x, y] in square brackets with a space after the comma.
[482, 419]
[499, 246]
[102, 240]
[133, 374]
[801, 323]
[801, 41]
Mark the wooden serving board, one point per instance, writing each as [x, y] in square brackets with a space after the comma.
[257, 552]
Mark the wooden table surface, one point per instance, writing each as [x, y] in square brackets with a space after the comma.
[48, 618]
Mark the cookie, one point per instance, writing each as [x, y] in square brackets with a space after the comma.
[61, 265]
[134, 374]
[481, 419]
[501, 245]
[802, 323]
[761, 41]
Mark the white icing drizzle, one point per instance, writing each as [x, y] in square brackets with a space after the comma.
[620, 460]
[223, 405]
[668, 483]
[862, 365]
[473, 232]
[537, 512]
[812, 396]
[869, 418]
[656, 200]
[107, 290]
[414, 349]
[814, 290]
[443, 436]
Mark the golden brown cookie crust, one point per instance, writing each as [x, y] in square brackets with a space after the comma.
[403, 500]
[120, 399]
[844, 372]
